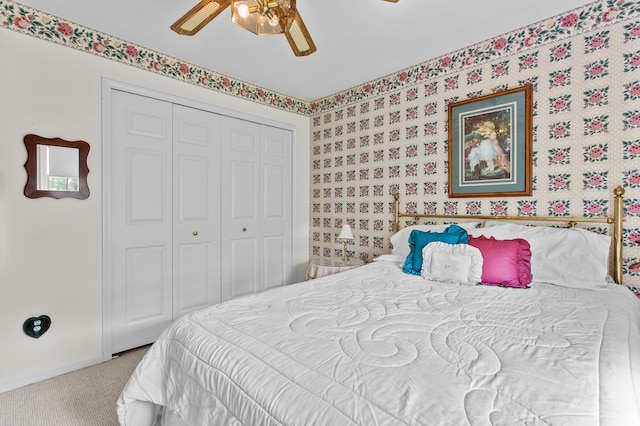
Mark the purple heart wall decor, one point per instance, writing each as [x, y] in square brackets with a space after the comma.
[36, 326]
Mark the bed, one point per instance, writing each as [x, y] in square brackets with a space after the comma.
[377, 345]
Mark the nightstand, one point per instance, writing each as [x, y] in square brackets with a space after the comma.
[322, 267]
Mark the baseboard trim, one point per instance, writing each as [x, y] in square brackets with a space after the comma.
[48, 374]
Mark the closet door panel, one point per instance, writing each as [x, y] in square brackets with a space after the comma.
[196, 183]
[240, 208]
[243, 191]
[241, 269]
[276, 221]
[146, 187]
[145, 289]
[275, 272]
[274, 188]
[194, 277]
[194, 172]
[141, 220]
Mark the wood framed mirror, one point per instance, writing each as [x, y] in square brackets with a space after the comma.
[56, 168]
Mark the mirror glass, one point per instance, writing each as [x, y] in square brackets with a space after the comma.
[56, 168]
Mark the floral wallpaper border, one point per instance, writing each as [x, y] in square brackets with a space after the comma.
[27, 20]
[574, 22]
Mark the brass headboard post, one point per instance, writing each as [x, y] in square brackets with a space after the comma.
[618, 217]
[617, 221]
[396, 212]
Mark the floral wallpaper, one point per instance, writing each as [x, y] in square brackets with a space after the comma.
[390, 136]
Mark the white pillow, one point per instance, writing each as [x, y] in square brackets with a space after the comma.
[458, 263]
[568, 257]
[400, 240]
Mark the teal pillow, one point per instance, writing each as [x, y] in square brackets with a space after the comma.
[419, 239]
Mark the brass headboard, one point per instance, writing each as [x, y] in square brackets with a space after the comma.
[617, 221]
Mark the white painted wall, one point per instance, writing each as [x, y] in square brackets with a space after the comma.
[51, 250]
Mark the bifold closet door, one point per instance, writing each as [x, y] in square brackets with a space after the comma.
[196, 209]
[141, 219]
[276, 222]
[256, 207]
[165, 215]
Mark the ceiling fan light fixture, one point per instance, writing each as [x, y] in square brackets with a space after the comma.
[258, 16]
[264, 16]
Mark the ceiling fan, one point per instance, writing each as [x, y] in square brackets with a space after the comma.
[258, 16]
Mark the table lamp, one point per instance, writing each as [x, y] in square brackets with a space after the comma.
[344, 236]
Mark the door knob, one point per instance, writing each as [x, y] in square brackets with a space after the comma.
[244, 229]
[195, 233]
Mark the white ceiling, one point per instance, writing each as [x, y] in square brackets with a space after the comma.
[357, 40]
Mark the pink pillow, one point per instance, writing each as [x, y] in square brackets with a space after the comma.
[506, 263]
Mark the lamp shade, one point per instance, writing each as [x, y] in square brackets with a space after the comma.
[346, 233]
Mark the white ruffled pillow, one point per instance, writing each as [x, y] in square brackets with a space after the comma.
[457, 263]
[568, 257]
[400, 240]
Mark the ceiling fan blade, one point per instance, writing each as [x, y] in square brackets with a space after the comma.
[299, 38]
[195, 19]
[392, 1]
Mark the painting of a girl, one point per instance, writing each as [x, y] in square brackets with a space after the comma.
[486, 158]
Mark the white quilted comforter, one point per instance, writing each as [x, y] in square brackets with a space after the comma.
[374, 346]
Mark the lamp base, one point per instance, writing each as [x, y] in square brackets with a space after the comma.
[344, 252]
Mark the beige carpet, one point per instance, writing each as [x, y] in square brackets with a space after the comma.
[86, 397]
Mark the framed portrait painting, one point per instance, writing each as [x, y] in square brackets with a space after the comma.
[490, 153]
